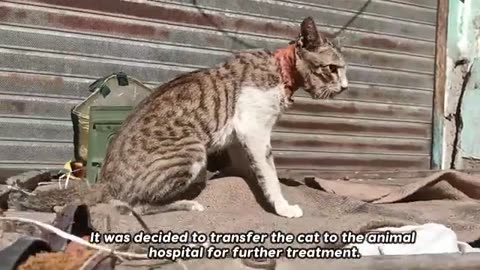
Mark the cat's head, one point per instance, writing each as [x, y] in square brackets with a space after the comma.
[319, 62]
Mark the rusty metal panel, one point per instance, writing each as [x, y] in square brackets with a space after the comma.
[50, 50]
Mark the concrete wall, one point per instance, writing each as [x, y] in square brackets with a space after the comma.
[462, 96]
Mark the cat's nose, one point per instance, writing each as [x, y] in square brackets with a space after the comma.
[343, 85]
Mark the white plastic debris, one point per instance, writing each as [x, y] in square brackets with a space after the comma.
[431, 238]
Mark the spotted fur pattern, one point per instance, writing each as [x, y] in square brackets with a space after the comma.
[162, 147]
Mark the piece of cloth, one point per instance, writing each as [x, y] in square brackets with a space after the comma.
[233, 205]
[431, 238]
[443, 185]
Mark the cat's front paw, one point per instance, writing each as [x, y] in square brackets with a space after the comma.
[288, 211]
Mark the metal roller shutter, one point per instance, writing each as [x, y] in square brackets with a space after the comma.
[50, 50]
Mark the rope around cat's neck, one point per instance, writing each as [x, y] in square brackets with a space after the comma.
[285, 59]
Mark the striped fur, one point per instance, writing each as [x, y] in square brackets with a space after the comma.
[161, 149]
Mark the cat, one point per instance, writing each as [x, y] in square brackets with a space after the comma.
[162, 147]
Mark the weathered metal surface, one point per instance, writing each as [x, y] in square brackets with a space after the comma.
[389, 177]
[345, 144]
[161, 29]
[23, 105]
[352, 126]
[50, 50]
[27, 129]
[325, 161]
[440, 81]
[344, 108]
[24, 151]
[155, 72]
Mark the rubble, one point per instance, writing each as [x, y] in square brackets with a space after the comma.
[4, 193]
[75, 222]
[29, 180]
[73, 219]
[15, 254]
[10, 231]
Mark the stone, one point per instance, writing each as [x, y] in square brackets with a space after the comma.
[8, 238]
[4, 192]
[10, 231]
[38, 216]
[29, 180]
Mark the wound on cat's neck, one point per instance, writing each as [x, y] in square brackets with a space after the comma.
[285, 59]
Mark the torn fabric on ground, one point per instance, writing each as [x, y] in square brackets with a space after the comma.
[231, 206]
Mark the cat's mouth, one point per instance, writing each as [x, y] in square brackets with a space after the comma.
[325, 94]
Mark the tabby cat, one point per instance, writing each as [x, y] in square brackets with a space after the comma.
[162, 147]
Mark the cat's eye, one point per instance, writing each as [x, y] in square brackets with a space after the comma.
[333, 68]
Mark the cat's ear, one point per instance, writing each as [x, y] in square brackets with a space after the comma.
[309, 38]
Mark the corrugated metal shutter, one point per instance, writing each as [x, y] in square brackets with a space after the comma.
[50, 50]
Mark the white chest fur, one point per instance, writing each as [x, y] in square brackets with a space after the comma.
[258, 107]
[256, 113]
[256, 110]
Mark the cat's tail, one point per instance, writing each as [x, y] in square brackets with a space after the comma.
[47, 200]
[144, 210]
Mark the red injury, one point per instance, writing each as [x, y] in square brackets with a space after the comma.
[285, 58]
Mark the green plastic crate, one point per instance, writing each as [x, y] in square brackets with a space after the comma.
[104, 124]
